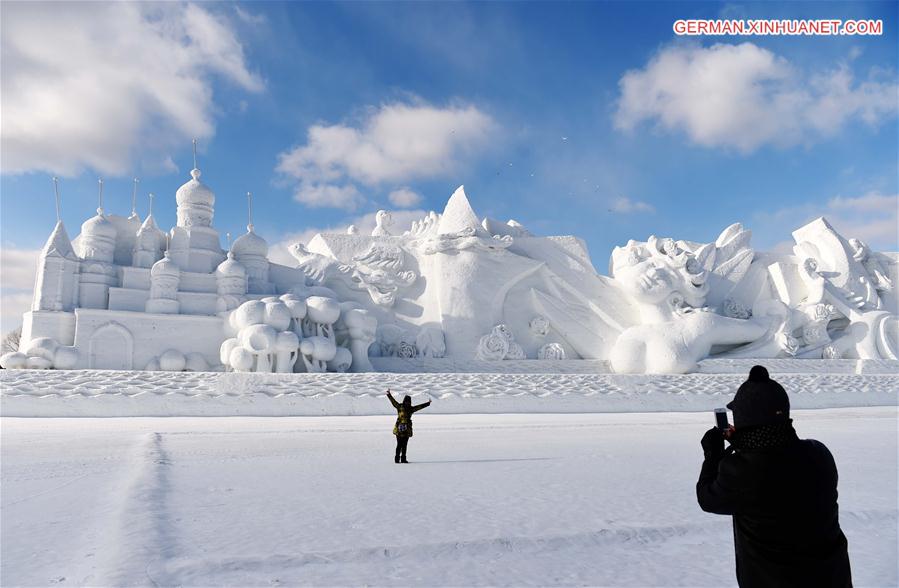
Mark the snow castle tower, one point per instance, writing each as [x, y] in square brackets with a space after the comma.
[231, 283]
[56, 287]
[164, 278]
[98, 245]
[251, 251]
[148, 244]
[195, 245]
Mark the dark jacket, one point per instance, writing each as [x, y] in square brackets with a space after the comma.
[784, 506]
[404, 415]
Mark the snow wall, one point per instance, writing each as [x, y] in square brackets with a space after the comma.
[107, 393]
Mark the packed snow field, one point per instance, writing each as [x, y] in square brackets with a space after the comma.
[529, 499]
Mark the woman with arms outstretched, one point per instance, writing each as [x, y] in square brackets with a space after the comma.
[403, 427]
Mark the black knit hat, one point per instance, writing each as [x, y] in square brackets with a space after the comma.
[759, 401]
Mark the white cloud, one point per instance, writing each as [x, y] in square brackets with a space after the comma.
[101, 85]
[402, 221]
[873, 218]
[17, 270]
[625, 205]
[346, 197]
[404, 198]
[393, 143]
[744, 96]
[249, 17]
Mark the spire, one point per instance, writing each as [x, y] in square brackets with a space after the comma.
[134, 200]
[249, 212]
[228, 237]
[150, 222]
[56, 192]
[58, 243]
[100, 197]
[195, 172]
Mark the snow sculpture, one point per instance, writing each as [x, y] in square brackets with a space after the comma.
[164, 278]
[499, 344]
[453, 286]
[389, 338]
[41, 353]
[834, 275]
[551, 351]
[56, 287]
[148, 244]
[668, 282]
[319, 345]
[378, 271]
[14, 360]
[356, 329]
[150, 300]
[317, 267]
[194, 243]
[251, 251]
[539, 326]
[383, 221]
[172, 361]
[877, 275]
[430, 342]
[263, 341]
[424, 226]
[231, 283]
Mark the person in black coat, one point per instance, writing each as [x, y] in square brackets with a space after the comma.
[780, 490]
[403, 427]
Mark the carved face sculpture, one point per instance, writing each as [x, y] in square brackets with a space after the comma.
[651, 272]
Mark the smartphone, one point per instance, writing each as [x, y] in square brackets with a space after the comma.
[721, 418]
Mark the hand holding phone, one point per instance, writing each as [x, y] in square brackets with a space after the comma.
[721, 419]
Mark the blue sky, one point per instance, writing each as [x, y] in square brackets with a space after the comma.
[590, 119]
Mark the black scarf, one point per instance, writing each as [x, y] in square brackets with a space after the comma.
[770, 436]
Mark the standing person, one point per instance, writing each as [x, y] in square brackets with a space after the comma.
[781, 491]
[403, 427]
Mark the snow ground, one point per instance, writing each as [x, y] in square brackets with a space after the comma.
[529, 499]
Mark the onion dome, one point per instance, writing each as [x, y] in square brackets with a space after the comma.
[98, 226]
[250, 244]
[165, 267]
[231, 267]
[195, 192]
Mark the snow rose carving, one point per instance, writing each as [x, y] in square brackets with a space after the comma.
[734, 309]
[515, 352]
[551, 351]
[493, 346]
[539, 325]
[788, 343]
[822, 312]
[406, 350]
[815, 333]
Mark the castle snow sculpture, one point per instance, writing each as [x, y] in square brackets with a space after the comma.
[127, 296]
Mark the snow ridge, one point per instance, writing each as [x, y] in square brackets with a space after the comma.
[130, 393]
